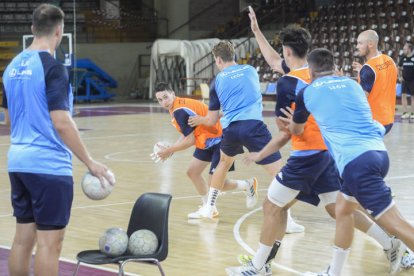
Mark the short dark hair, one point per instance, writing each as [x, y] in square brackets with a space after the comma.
[321, 60]
[297, 38]
[162, 86]
[45, 18]
[224, 50]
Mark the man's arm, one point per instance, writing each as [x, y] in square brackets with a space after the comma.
[273, 146]
[184, 142]
[367, 79]
[209, 120]
[5, 108]
[271, 56]
[57, 84]
[6, 118]
[295, 121]
[213, 113]
[68, 131]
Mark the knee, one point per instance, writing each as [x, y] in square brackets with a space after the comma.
[342, 211]
[330, 209]
[191, 173]
[270, 209]
[227, 162]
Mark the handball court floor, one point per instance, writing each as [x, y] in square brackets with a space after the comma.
[122, 136]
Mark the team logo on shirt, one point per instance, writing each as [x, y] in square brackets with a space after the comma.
[13, 73]
[22, 73]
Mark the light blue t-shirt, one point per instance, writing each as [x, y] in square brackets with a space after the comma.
[35, 84]
[342, 112]
[237, 92]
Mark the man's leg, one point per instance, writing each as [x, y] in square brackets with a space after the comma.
[21, 251]
[344, 233]
[217, 184]
[410, 91]
[404, 106]
[194, 172]
[273, 168]
[395, 224]
[275, 206]
[292, 226]
[49, 246]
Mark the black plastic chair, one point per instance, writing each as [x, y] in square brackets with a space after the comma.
[150, 212]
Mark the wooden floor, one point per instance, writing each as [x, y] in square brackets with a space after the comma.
[123, 139]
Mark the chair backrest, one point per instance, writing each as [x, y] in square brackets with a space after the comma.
[151, 212]
[205, 91]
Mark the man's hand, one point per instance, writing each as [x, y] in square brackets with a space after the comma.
[196, 120]
[339, 72]
[251, 157]
[165, 153]
[253, 21]
[100, 171]
[356, 66]
[289, 116]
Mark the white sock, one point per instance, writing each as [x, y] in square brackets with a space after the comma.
[338, 260]
[261, 255]
[204, 198]
[241, 184]
[380, 236]
[212, 197]
[289, 217]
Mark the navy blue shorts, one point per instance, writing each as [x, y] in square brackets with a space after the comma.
[41, 198]
[363, 179]
[311, 175]
[388, 128]
[252, 134]
[212, 155]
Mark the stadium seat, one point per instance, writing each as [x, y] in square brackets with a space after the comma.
[205, 92]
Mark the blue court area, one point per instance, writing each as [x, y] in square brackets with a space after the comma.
[65, 268]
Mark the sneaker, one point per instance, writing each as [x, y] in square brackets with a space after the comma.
[412, 116]
[324, 273]
[198, 215]
[317, 274]
[245, 259]
[251, 192]
[293, 227]
[407, 260]
[395, 254]
[405, 115]
[244, 270]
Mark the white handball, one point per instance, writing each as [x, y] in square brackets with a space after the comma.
[114, 242]
[142, 242]
[92, 187]
[159, 146]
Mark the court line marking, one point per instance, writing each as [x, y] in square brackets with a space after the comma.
[83, 264]
[242, 243]
[194, 196]
[132, 202]
[188, 197]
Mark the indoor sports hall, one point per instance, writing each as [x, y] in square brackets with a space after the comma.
[116, 51]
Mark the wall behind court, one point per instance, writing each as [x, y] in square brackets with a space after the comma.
[117, 59]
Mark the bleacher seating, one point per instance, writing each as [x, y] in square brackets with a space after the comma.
[337, 26]
[388, 18]
[16, 16]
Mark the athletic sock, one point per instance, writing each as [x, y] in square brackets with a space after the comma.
[241, 184]
[261, 256]
[338, 261]
[380, 236]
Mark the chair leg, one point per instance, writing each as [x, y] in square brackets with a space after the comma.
[160, 268]
[77, 268]
[120, 269]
